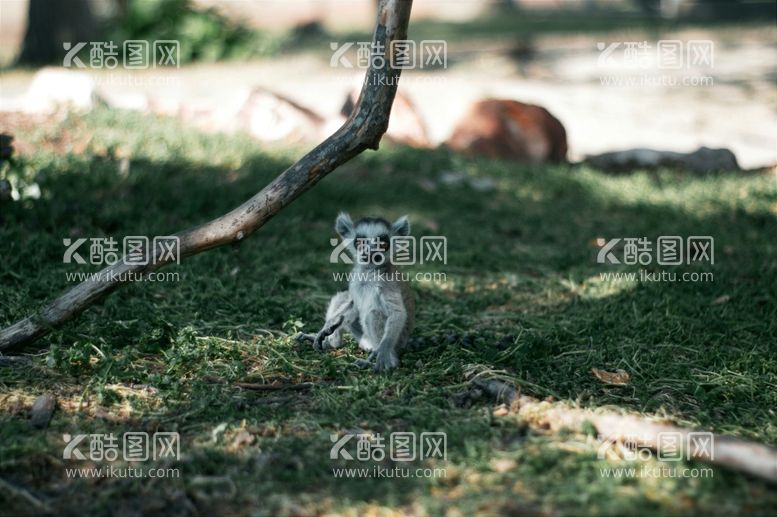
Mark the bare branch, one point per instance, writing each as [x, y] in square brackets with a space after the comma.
[363, 130]
[754, 458]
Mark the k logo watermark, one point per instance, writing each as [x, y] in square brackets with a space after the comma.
[132, 54]
[400, 446]
[401, 449]
[401, 250]
[134, 446]
[136, 250]
[108, 455]
[664, 54]
[669, 447]
[667, 250]
[663, 63]
[606, 255]
[400, 54]
[670, 250]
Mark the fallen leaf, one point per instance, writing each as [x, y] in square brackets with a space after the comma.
[617, 378]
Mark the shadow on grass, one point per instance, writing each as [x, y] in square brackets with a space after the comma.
[521, 278]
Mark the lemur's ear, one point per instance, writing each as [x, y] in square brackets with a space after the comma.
[401, 227]
[344, 226]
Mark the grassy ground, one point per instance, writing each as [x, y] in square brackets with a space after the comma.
[523, 294]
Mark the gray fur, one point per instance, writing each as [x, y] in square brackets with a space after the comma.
[378, 307]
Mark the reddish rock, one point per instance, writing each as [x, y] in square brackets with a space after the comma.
[511, 130]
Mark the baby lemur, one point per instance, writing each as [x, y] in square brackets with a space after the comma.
[378, 306]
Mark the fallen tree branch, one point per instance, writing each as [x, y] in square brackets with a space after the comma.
[254, 386]
[363, 130]
[750, 457]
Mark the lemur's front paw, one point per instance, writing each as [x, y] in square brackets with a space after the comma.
[328, 337]
[323, 343]
[319, 343]
[385, 361]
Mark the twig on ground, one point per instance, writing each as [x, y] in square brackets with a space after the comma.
[742, 455]
[275, 387]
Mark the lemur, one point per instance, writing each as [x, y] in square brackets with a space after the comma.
[378, 308]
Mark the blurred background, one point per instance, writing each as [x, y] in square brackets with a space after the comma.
[594, 64]
[143, 117]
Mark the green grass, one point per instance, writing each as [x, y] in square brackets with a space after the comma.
[522, 294]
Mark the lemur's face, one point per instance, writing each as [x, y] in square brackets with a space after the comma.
[372, 241]
[371, 238]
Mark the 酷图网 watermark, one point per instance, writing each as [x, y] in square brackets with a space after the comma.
[664, 55]
[133, 447]
[670, 446]
[399, 250]
[647, 472]
[669, 250]
[402, 250]
[135, 55]
[135, 250]
[666, 250]
[400, 55]
[392, 276]
[677, 62]
[644, 276]
[401, 447]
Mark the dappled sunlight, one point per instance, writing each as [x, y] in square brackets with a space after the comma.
[215, 353]
[596, 287]
[707, 195]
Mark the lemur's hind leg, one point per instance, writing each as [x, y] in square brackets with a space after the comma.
[384, 331]
[339, 315]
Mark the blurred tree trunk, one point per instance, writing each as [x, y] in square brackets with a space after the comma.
[50, 23]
